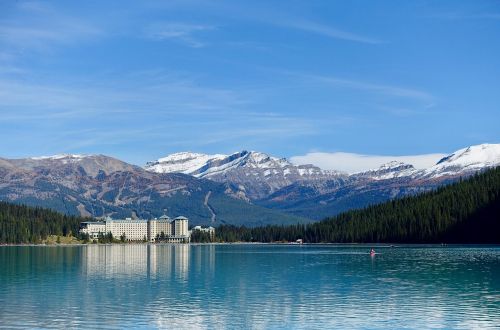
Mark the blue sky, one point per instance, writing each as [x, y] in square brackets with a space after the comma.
[141, 79]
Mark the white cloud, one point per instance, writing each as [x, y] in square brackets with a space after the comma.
[324, 30]
[352, 162]
[390, 90]
[280, 18]
[182, 32]
[38, 27]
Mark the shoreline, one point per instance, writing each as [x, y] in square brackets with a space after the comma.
[375, 245]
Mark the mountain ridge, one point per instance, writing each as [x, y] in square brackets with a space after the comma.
[258, 177]
[246, 187]
[465, 212]
[200, 165]
[97, 185]
[252, 174]
[335, 192]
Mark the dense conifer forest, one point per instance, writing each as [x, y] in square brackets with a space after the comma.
[198, 236]
[465, 212]
[23, 224]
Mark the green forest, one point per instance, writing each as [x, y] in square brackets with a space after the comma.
[23, 224]
[464, 212]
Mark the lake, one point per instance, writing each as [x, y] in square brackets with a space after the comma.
[249, 286]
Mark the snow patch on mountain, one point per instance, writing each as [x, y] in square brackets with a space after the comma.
[464, 161]
[203, 165]
[182, 162]
[470, 159]
[256, 175]
[390, 170]
[75, 157]
[262, 166]
[259, 173]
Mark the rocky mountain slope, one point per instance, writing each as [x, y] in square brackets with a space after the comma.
[248, 188]
[462, 162]
[390, 181]
[310, 192]
[249, 174]
[97, 185]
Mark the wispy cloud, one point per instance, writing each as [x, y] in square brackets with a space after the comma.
[261, 128]
[266, 13]
[466, 16]
[37, 26]
[324, 30]
[241, 138]
[391, 90]
[352, 162]
[163, 111]
[18, 98]
[406, 111]
[186, 33]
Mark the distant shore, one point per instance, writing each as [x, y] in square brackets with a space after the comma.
[375, 245]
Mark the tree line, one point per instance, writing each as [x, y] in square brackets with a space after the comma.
[467, 211]
[23, 224]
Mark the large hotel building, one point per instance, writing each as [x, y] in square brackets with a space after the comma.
[172, 231]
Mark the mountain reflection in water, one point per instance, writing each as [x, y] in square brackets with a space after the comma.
[249, 286]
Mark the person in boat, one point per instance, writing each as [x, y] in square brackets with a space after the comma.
[372, 251]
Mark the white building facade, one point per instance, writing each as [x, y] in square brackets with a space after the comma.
[93, 228]
[172, 231]
[208, 230]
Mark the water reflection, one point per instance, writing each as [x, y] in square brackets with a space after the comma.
[242, 286]
[136, 261]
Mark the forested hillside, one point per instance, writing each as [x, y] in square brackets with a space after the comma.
[23, 224]
[465, 212]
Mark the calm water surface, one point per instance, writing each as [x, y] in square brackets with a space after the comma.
[249, 286]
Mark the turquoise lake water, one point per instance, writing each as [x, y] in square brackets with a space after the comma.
[249, 286]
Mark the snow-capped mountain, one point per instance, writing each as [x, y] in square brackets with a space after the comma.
[391, 170]
[391, 180]
[203, 165]
[183, 162]
[254, 174]
[466, 160]
[202, 186]
[460, 163]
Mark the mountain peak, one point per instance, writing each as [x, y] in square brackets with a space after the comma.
[390, 170]
[482, 154]
[244, 169]
[61, 156]
[201, 165]
[184, 156]
[91, 164]
[394, 165]
[466, 160]
[182, 162]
